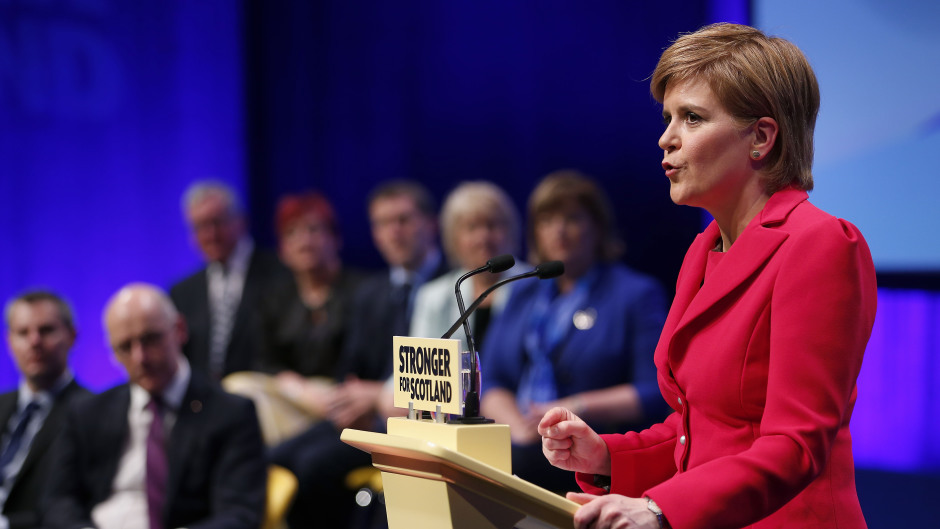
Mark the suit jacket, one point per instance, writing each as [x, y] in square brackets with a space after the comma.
[217, 474]
[374, 319]
[295, 338]
[759, 364]
[191, 297]
[22, 505]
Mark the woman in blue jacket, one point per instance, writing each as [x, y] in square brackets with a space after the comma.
[584, 341]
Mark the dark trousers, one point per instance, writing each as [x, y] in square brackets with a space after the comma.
[320, 461]
[529, 463]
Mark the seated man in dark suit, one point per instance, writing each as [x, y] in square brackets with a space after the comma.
[404, 229]
[40, 334]
[169, 449]
[219, 301]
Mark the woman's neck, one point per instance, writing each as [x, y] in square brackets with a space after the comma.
[572, 275]
[733, 219]
[482, 282]
[314, 285]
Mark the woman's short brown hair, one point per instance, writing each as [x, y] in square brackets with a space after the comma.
[753, 76]
[569, 185]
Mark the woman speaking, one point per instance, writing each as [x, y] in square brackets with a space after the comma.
[774, 306]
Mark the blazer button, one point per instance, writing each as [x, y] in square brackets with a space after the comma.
[680, 401]
[682, 440]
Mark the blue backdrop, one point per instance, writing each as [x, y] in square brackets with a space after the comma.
[108, 110]
[342, 97]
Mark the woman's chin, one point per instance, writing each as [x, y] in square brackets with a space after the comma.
[680, 195]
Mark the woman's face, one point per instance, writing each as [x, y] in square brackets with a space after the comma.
[568, 234]
[706, 154]
[478, 237]
[308, 244]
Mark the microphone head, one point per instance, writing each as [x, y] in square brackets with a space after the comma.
[501, 263]
[550, 269]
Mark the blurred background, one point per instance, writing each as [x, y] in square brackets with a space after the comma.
[109, 109]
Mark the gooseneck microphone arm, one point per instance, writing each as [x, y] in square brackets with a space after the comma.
[546, 270]
[472, 403]
[495, 265]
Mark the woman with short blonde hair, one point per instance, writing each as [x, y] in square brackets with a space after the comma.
[478, 222]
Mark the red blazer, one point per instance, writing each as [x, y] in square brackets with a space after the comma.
[759, 364]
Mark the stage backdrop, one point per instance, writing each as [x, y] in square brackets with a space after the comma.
[343, 97]
[878, 66]
[109, 108]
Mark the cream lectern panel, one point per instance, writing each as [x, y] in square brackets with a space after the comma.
[437, 475]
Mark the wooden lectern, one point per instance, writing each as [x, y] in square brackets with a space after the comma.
[438, 475]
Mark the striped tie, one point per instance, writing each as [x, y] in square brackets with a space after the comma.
[222, 316]
[16, 438]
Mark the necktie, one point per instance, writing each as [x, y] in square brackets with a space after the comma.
[401, 295]
[222, 316]
[16, 438]
[156, 465]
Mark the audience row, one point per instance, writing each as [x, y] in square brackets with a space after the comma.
[302, 345]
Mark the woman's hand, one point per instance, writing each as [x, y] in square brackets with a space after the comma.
[612, 511]
[353, 403]
[500, 405]
[310, 395]
[570, 444]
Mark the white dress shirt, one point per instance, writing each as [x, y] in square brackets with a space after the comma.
[226, 283]
[126, 508]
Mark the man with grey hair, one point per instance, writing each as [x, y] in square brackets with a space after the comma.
[40, 335]
[167, 449]
[218, 300]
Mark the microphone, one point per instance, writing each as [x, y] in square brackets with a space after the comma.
[501, 263]
[498, 264]
[547, 270]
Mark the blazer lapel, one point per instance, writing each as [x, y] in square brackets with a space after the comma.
[186, 432]
[251, 280]
[108, 442]
[50, 427]
[7, 408]
[759, 241]
[687, 286]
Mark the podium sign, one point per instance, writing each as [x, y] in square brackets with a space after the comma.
[426, 372]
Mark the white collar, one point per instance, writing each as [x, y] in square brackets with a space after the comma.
[43, 397]
[239, 260]
[399, 275]
[174, 393]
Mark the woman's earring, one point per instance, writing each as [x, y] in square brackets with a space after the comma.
[755, 154]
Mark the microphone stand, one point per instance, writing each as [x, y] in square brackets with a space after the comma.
[471, 414]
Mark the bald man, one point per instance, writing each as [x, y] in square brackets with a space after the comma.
[168, 449]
